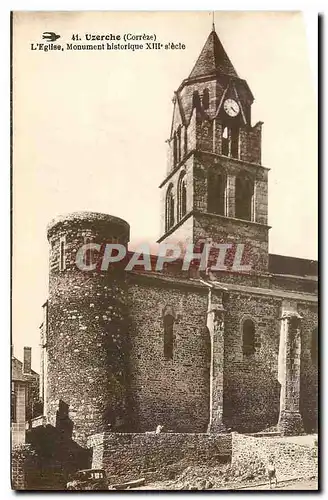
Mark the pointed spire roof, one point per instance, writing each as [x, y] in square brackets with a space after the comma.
[213, 58]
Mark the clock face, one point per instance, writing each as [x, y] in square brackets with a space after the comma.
[231, 107]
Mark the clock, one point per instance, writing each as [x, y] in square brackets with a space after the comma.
[231, 107]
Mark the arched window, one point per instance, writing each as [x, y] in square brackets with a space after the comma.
[195, 100]
[248, 337]
[168, 336]
[216, 192]
[225, 141]
[244, 198]
[182, 196]
[234, 142]
[206, 99]
[169, 208]
[230, 141]
[314, 346]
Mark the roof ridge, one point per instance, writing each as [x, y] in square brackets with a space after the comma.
[213, 58]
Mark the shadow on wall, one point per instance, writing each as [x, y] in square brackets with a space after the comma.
[309, 397]
[252, 397]
[57, 455]
[309, 381]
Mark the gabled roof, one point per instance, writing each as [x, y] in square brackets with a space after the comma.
[17, 373]
[213, 58]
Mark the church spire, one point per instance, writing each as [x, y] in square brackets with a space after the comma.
[213, 23]
[213, 58]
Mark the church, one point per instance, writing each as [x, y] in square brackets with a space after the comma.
[197, 352]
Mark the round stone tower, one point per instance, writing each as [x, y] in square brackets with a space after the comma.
[86, 327]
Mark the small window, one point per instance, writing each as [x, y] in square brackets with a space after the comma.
[206, 99]
[248, 337]
[168, 336]
[314, 346]
[62, 254]
[88, 253]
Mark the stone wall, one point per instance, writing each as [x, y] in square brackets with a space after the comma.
[309, 368]
[291, 458]
[172, 392]
[252, 391]
[225, 230]
[126, 455]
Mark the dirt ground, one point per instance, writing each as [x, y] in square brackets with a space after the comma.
[300, 484]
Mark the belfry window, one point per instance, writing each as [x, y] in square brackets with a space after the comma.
[169, 208]
[195, 100]
[216, 200]
[244, 196]
[206, 99]
[168, 336]
[182, 196]
[234, 142]
[230, 142]
[225, 141]
[248, 337]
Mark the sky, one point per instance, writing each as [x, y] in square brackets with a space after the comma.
[89, 130]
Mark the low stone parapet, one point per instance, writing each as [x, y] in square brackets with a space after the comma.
[125, 456]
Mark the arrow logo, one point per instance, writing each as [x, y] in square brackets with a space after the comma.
[50, 36]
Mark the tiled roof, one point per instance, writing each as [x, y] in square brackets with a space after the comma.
[292, 266]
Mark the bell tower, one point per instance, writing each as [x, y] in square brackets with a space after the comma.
[215, 188]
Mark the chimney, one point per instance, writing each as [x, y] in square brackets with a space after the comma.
[27, 360]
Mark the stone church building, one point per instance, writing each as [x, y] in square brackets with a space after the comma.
[194, 351]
